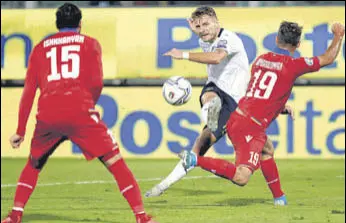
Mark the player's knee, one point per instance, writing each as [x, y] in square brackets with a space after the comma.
[268, 150]
[208, 96]
[241, 181]
[110, 158]
[242, 176]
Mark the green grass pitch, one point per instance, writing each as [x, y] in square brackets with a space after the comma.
[73, 190]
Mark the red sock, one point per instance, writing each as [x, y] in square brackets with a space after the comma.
[25, 186]
[218, 167]
[271, 173]
[128, 186]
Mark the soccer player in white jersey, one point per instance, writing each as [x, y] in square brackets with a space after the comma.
[228, 78]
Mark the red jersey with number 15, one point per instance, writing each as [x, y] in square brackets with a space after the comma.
[272, 79]
[67, 68]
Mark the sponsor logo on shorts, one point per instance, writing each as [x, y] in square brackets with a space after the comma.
[248, 138]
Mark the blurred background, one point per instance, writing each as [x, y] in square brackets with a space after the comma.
[54, 4]
[135, 34]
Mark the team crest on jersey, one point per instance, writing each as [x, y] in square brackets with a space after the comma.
[222, 44]
[309, 61]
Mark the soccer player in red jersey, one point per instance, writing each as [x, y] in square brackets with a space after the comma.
[273, 76]
[67, 68]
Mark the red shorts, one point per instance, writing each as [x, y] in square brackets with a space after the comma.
[84, 129]
[248, 139]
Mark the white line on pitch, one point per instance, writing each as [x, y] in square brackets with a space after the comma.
[103, 181]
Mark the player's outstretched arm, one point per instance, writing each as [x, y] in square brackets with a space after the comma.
[206, 57]
[333, 50]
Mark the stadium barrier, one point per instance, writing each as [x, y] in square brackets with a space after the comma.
[134, 39]
[147, 127]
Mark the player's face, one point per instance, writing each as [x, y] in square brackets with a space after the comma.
[206, 27]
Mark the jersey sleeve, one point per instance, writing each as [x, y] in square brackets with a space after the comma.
[230, 43]
[96, 83]
[305, 65]
[28, 94]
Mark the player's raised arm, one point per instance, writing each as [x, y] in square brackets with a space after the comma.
[192, 26]
[333, 50]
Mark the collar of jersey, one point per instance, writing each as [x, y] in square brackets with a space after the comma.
[278, 50]
[68, 30]
[221, 30]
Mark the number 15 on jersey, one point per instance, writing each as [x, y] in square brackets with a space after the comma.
[68, 53]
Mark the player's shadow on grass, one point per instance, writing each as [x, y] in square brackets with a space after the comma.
[242, 201]
[47, 217]
[236, 202]
[196, 191]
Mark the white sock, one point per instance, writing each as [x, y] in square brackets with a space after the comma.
[178, 173]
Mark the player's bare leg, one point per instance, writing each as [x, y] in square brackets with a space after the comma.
[271, 174]
[127, 184]
[202, 144]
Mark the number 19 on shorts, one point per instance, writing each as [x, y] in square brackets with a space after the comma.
[254, 157]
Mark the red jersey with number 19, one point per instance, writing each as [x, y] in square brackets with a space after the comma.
[272, 79]
[67, 68]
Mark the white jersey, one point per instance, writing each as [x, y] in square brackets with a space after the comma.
[232, 74]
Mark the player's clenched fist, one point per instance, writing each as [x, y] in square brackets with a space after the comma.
[338, 29]
[289, 111]
[16, 140]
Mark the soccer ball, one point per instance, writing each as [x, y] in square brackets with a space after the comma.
[177, 90]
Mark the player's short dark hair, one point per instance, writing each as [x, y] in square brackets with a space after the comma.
[203, 10]
[68, 16]
[289, 33]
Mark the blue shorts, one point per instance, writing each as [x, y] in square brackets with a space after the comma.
[228, 106]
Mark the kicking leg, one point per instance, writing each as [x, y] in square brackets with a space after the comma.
[271, 174]
[201, 146]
